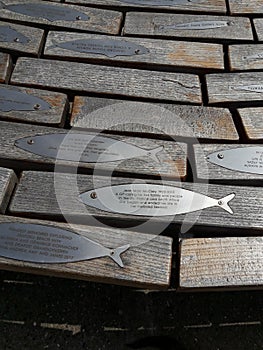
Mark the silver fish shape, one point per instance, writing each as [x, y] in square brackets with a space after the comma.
[87, 148]
[51, 245]
[242, 159]
[50, 12]
[198, 25]
[151, 200]
[250, 88]
[9, 35]
[13, 99]
[256, 56]
[108, 47]
[160, 2]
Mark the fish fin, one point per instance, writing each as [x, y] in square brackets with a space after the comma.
[223, 203]
[115, 254]
[153, 153]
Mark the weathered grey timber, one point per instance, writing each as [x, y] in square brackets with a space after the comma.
[81, 18]
[252, 120]
[21, 39]
[162, 53]
[8, 181]
[235, 87]
[172, 156]
[221, 262]
[108, 80]
[254, 7]
[208, 171]
[41, 201]
[53, 116]
[5, 67]
[259, 28]
[246, 57]
[146, 265]
[156, 119]
[188, 26]
[184, 5]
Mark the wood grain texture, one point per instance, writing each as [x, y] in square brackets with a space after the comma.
[234, 87]
[259, 27]
[172, 157]
[55, 116]
[156, 119]
[8, 181]
[107, 80]
[252, 120]
[58, 197]
[154, 24]
[100, 21]
[221, 262]
[198, 5]
[34, 45]
[5, 67]
[254, 7]
[246, 57]
[147, 264]
[208, 171]
[162, 53]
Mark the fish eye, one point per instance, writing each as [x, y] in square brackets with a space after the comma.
[220, 156]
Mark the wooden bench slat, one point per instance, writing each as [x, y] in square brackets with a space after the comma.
[252, 120]
[41, 201]
[101, 21]
[147, 263]
[246, 57]
[5, 67]
[162, 53]
[254, 7]
[8, 181]
[158, 119]
[108, 80]
[221, 262]
[259, 28]
[152, 24]
[172, 157]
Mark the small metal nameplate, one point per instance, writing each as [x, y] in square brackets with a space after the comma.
[87, 148]
[49, 12]
[160, 2]
[10, 35]
[199, 25]
[47, 244]
[151, 200]
[109, 47]
[13, 99]
[242, 159]
[256, 56]
[250, 88]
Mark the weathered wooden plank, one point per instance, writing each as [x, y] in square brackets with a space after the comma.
[8, 181]
[221, 262]
[214, 28]
[161, 53]
[147, 263]
[107, 80]
[208, 171]
[156, 119]
[87, 19]
[259, 28]
[254, 7]
[55, 116]
[246, 57]
[191, 6]
[235, 87]
[171, 156]
[28, 41]
[252, 120]
[5, 67]
[58, 196]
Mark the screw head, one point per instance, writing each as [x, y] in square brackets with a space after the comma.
[220, 202]
[78, 18]
[30, 142]
[220, 156]
[137, 51]
[93, 195]
[37, 106]
[16, 40]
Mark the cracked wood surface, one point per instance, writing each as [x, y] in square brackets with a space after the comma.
[252, 120]
[8, 181]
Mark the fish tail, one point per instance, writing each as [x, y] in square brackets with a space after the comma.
[223, 203]
[153, 153]
[54, 44]
[2, 5]
[115, 254]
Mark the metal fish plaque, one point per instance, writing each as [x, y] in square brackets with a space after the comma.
[9, 35]
[242, 159]
[13, 99]
[49, 12]
[256, 56]
[250, 88]
[109, 47]
[151, 200]
[199, 25]
[160, 2]
[51, 245]
[86, 148]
